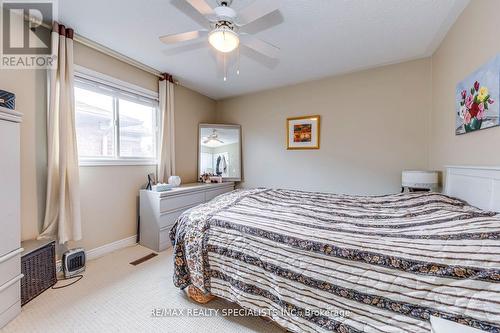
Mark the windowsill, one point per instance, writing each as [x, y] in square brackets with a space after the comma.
[124, 162]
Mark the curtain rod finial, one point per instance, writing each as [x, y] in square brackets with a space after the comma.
[168, 77]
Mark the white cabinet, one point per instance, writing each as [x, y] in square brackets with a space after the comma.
[159, 210]
[10, 199]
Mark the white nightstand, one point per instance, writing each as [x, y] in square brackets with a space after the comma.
[419, 181]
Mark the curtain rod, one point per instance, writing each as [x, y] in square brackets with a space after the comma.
[106, 50]
[112, 53]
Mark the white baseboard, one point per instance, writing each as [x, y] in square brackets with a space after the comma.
[108, 248]
[103, 250]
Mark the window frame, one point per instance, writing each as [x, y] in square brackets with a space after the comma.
[117, 89]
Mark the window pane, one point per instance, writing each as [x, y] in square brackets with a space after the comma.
[137, 129]
[94, 124]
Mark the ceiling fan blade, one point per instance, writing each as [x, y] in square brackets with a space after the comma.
[256, 10]
[184, 36]
[201, 6]
[258, 45]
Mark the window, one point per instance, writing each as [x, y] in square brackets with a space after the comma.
[113, 125]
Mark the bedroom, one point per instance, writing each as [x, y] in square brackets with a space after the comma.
[368, 90]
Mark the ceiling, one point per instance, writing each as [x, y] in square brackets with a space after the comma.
[228, 136]
[318, 38]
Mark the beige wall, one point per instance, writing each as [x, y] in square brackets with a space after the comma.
[373, 125]
[190, 110]
[471, 42]
[102, 63]
[108, 194]
[31, 100]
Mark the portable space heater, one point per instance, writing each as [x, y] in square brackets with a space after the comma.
[73, 262]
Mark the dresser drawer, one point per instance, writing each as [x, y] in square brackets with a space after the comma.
[164, 239]
[10, 293]
[10, 314]
[11, 234]
[9, 194]
[167, 220]
[164, 246]
[209, 195]
[181, 201]
[10, 266]
[164, 235]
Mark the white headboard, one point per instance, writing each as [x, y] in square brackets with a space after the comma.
[479, 186]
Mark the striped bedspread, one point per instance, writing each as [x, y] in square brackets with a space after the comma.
[319, 262]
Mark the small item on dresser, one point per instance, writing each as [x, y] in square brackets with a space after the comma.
[161, 187]
[7, 100]
[151, 181]
[205, 178]
[216, 179]
[174, 180]
[38, 265]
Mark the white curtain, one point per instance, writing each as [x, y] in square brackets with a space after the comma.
[167, 143]
[62, 208]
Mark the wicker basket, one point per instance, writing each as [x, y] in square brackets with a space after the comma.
[39, 269]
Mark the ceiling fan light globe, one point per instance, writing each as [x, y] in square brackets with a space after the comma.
[224, 39]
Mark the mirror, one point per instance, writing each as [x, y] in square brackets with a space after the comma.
[220, 151]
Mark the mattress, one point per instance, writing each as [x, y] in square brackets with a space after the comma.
[318, 262]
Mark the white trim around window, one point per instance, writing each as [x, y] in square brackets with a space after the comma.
[110, 81]
[114, 162]
[120, 90]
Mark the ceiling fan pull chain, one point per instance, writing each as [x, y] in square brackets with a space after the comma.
[225, 68]
[238, 69]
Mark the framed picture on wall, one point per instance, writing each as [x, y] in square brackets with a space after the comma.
[477, 99]
[303, 132]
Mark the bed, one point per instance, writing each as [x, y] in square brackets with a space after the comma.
[318, 262]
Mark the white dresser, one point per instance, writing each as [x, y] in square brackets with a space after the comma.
[10, 201]
[159, 210]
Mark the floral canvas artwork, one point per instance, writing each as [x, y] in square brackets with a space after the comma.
[477, 99]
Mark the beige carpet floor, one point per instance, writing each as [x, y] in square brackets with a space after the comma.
[115, 296]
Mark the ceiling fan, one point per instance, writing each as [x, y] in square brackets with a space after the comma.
[225, 24]
[213, 137]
